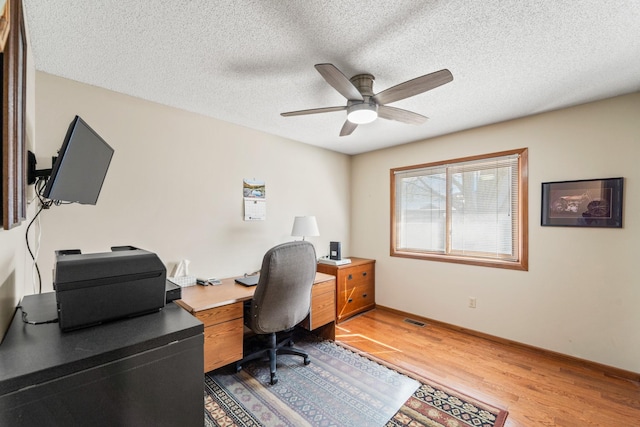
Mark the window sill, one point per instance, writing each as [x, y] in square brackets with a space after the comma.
[483, 262]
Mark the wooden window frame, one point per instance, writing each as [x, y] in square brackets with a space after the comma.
[521, 263]
[14, 71]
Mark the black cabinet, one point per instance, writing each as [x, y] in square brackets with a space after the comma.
[145, 370]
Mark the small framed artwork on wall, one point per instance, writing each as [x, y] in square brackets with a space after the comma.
[583, 203]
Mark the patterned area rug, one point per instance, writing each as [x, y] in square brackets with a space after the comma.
[339, 388]
[434, 407]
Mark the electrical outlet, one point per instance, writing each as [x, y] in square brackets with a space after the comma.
[472, 302]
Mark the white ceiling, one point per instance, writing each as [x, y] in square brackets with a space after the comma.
[246, 61]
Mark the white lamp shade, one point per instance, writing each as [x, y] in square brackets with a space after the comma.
[305, 226]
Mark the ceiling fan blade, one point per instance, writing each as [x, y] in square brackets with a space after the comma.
[400, 115]
[347, 128]
[414, 87]
[339, 81]
[313, 111]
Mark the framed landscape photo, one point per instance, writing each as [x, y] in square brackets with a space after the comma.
[584, 203]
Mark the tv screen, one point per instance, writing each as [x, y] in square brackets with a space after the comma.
[79, 171]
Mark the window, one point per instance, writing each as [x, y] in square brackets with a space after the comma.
[471, 210]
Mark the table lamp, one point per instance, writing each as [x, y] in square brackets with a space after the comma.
[305, 226]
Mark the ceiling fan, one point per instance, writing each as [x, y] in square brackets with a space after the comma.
[363, 106]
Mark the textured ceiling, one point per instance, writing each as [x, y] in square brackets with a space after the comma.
[247, 61]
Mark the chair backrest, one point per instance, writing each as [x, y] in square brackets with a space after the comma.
[283, 295]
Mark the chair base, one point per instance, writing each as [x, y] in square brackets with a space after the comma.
[274, 348]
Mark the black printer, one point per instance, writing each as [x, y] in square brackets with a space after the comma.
[95, 288]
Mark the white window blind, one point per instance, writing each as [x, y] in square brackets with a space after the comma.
[484, 208]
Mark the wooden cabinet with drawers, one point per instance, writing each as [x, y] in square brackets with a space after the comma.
[355, 286]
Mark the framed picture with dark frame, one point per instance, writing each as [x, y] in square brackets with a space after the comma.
[583, 203]
[13, 156]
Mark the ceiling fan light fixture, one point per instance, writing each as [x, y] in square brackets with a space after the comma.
[363, 105]
[362, 113]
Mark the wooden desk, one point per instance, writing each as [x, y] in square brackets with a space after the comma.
[220, 308]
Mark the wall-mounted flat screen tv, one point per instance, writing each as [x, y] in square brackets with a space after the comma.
[81, 166]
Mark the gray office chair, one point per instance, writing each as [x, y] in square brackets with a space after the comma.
[282, 299]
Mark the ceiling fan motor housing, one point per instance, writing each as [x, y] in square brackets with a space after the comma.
[364, 83]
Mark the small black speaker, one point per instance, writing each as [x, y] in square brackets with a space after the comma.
[334, 251]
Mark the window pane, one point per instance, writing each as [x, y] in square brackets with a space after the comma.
[482, 212]
[421, 208]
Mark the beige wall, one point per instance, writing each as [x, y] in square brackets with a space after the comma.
[581, 295]
[175, 184]
[15, 263]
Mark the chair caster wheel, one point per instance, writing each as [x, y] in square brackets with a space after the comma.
[238, 368]
[274, 380]
[307, 360]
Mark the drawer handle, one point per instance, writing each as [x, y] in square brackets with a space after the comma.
[350, 277]
[364, 273]
[350, 300]
[364, 295]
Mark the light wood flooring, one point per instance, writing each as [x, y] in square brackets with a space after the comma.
[537, 389]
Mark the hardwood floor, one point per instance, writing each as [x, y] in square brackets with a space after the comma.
[536, 389]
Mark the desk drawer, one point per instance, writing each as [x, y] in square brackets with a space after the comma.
[323, 288]
[323, 305]
[221, 314]
[223, 332]
[355, 299]
[358, 275]
[223, 344]
[324, 310]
